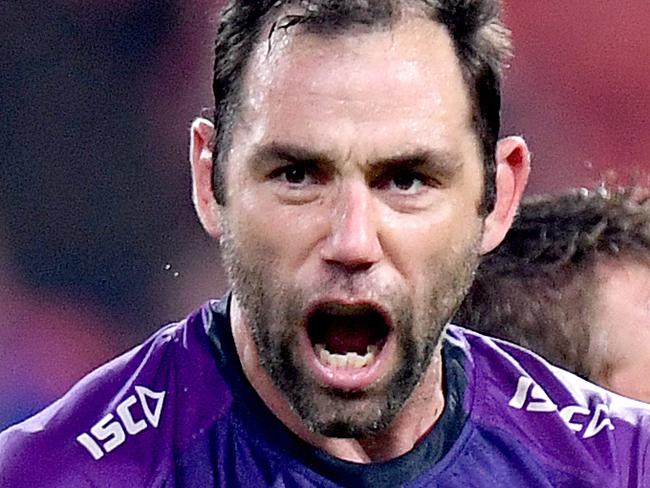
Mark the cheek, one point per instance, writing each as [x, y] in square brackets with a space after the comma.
[277, 233]
[418, 244]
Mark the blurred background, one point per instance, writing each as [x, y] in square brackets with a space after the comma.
[99, 245]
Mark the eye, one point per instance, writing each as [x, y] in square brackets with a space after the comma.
[405, 182]
[294, 175]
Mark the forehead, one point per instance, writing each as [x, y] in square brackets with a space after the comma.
[403, 83]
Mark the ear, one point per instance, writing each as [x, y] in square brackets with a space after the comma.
[513, 168]
[201, 137]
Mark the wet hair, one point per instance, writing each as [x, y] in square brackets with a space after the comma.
[538, 287]
[481, 42]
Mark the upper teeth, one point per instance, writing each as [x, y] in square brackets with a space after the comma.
[348, 360]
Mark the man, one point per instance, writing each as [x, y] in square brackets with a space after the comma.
[571, 281]
[353, 178]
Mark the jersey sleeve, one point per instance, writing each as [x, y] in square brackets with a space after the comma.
[126, 423]
[110, 430]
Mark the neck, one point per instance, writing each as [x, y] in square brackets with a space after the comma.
[417, 417]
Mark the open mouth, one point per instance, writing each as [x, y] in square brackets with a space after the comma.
[347, 337]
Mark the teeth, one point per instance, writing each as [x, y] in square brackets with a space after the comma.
[338, 361]
[351, 360]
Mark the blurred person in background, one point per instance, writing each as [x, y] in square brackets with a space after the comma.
[571, 281]
[351, 203]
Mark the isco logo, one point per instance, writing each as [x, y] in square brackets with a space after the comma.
[532, 398]
[113, 432]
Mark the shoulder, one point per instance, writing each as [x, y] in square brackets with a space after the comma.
[554, 413]
[124, 420]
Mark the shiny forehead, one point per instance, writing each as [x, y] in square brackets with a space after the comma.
[409, 72]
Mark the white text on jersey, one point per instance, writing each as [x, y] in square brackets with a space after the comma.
[112, 432]
[532, 398]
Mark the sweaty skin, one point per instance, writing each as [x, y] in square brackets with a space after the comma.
[355, 183]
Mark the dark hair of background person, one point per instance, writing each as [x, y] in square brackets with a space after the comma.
[537, 289]
[480, 39]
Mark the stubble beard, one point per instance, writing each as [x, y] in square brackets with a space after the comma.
[274, 310]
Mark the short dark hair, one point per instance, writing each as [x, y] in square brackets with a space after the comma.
[537, 288]
[481, 42]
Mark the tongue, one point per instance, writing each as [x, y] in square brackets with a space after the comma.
[341, 338]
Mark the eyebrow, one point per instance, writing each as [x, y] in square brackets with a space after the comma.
[291, 153]
[442, 162]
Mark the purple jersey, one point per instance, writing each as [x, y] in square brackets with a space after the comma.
[177, 411]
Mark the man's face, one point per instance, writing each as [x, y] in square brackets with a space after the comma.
[351, 230]
[622, 327]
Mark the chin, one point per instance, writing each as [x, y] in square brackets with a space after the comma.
[349, 426]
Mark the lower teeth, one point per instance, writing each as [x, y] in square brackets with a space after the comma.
[350, 360]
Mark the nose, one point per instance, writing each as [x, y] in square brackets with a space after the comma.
[353, 241]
